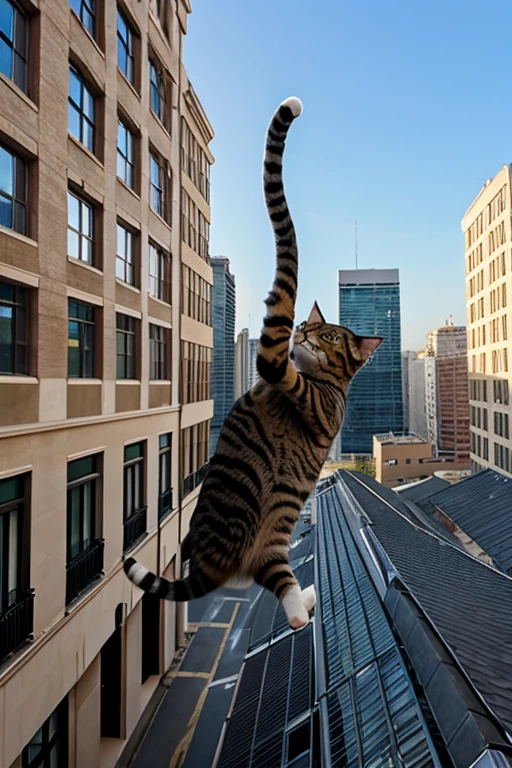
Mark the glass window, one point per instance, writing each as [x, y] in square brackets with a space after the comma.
[125, 49]
[125, 154]
[156, 185]
[124, 256]
[157, 93]
[133, 479]
[13, 329]
[49, 746]
[158, 271]
[82, 477]
[13, 191]
[80, 340]
[86, 12]
[125, 346]
[164, 475]
[13, 43]
[80, 229]
[157, 352]
[12, 505]
[81, 119]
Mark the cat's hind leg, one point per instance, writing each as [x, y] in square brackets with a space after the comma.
[278, 577]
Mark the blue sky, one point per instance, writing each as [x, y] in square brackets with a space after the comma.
[407, 112]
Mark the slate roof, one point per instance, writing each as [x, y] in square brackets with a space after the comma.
[481, 505]
[468, 602]
[423, 489]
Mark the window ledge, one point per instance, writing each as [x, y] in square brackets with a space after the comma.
[160, 301]
[159, 29]
[86, 151]
[90, 37]
[18, 236]
[6, 378]
[78, 380]
[84, 596]
[161, 218]
[85, 265]
[160, 381]
[128, 188]
[130, 85]
[12, 85]
[128, 381]
[161, 125]
[127, 285]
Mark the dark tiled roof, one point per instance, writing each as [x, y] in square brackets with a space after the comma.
[373, 716]
[305, 547]
[481, 506]
[423, 489]
[467, 602]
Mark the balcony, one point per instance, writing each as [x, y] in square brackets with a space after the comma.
[84, 569]
[135, 527]
[164, 503]
[194, 479]
[17, 623]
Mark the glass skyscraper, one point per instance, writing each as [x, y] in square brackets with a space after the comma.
[370, 306]
[223, 367]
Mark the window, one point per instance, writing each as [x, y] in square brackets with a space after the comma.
[125, 48]
[80, 229]
[125, 155]
[49, 747]
[150, 656]
[159, 272]
[81, 119]
[13, 43]
[13, 528]
[196, 368]
[126, 344]
[134, 509]
[164, 475]
[13, 329]
[157, 352]
[124, 256]
[194, 448]
[13, 191]
[80, 340]
[84, 548]
[156, 185]
[157, 91]
[197, 296]
[86, 12]
[110, 677]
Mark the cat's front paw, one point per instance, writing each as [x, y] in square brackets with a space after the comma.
[308, 597]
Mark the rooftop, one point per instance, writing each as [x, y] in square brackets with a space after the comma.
[389, 438]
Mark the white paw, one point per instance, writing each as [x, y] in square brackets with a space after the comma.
[308, 597]
[295, 612]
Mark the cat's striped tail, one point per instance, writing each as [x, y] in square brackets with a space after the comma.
[178, 591]
[278, 322]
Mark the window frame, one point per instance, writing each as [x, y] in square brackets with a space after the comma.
[20, 39]
[42, 760]
[156, 88]
[159, 271]
[158, 188]
[19, 346]
[139, 466]
[90, 479]
[86, 372]
[126, 329]
[89, 6]
[128, 258]
[83, 238]
[128, 46]
[164, 463]
[19, 504]
[79, 109]
[18, 199]
[158, 363]
[128, 159]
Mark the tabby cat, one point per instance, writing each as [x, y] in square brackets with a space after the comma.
[277, 436]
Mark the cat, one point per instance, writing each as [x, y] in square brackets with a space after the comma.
[277, 436]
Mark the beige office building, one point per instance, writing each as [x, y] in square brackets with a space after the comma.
[105, 350]
[488, 260]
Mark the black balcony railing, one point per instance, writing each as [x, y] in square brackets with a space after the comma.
[83, 569]
[164, 503]
[135, 527]
[17, 623]
[194, 479]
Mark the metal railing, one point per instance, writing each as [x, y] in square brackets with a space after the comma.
[135, 527]
[164, 503]
[83, 569]
[17, 623]
[194, 479]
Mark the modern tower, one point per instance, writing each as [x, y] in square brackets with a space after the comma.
[223, 369]
[242, 363]
[370, 306]
[253, 358]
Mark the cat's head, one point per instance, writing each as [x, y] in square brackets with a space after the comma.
[323, 349]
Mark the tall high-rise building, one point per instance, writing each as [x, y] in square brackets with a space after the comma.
[488, 244]
[413, 378]
[242, 363]
[253, 359]
[446, 390]
[223, 368]
[407, 358]
[370, 305]
[105, 349]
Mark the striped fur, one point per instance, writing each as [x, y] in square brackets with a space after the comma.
[277, 436]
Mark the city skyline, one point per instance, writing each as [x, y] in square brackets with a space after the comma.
[403, 159]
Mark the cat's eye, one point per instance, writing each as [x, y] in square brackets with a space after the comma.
[330, 337]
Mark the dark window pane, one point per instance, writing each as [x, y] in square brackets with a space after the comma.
[133, 451]
[80, 468]
[6, 172]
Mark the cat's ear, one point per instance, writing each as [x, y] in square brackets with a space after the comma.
[367, 345]
[315, 316]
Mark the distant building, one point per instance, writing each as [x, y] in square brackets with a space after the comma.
[407, 358]
[223, 368]
[446, 390]
[488, 242]
[417, 414]
[253, 357]
[402, 458]
[242, 363]
[370, 305]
